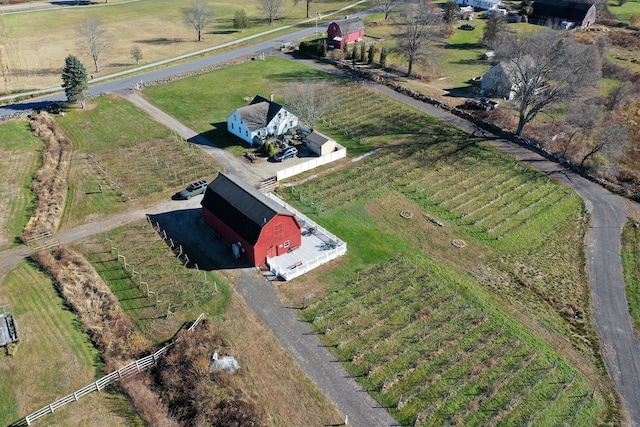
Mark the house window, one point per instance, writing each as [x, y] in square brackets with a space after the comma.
[231, 125]
[277, 229]
[246, 132]
[287, 243]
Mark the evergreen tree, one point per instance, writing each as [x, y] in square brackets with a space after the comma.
[240, 20]
[74, 79]
[363, 51]
[383, 57]
[372, 52]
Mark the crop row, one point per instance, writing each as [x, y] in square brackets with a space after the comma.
[423, 347]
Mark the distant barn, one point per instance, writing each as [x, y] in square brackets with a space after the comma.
[562, 13]
[241, 214]
[344, 31]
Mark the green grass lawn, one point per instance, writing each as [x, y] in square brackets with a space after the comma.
[136, 159]
[631, 266]
[624, 12]
[204, 102]
[20, 157]
[53, 358]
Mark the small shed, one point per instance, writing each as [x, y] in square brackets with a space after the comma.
[241, 215]
[344, 31]
[320, 144]
[582, 15]
[8, 327]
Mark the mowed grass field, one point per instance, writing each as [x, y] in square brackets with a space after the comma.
[134, 158]
[20, 157]
[33, 59]
[53, 358]
[204, 102]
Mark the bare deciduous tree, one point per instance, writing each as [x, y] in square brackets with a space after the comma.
[388, 6]
[310, 100]
[136, 53]
[95, 39]
[610, 140]
[198, 16]
[618, 95]
[581, 119]
[421, 26]
[547, 68]
[308, 2]
[495, 29]
[271, 8]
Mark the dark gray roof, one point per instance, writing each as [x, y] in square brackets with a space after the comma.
[317, 138]
[560, 9]
[243, 208]
[350, 25]
[259, 113]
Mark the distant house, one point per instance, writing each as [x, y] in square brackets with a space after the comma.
[256, 226]
[320, 144]
[261, 119]
[344, 31]
[563, 13]
[502, 79]
[480, 4]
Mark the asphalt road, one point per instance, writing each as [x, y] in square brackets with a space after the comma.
[608, 213]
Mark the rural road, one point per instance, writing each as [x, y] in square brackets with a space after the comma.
[608, 214]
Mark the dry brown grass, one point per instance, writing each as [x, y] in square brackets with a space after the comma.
[98, 309]
[50, 183]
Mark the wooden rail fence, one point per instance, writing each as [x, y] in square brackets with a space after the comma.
[121, 374]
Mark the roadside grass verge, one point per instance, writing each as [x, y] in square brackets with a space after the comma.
[152, 266]
[205, 101]
[631, 267]
[53, 358]
[132, 157]
[20, 157]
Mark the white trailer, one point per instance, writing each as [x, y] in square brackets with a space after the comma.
[480, 4]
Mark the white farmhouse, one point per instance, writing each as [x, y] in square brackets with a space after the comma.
[503, 80]
[261, 119]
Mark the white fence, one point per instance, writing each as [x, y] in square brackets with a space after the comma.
[338, 154]
[122, 373]
[326, 256]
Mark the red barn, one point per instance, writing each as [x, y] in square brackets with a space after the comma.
[241, 214]
[345, 31]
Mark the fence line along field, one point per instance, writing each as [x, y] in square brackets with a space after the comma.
[122, 154]
[158, 288]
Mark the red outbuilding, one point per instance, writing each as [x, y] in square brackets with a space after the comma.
[345, 31]
[243, 216]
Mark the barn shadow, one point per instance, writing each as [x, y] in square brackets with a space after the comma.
[186, 227]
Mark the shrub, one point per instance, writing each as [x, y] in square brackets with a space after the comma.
[240, 20]
[50, 183]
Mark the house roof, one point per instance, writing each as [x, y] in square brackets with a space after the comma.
[562, 9]
[350, 25]
[259, 112]
[317, 139]
[240, 206]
